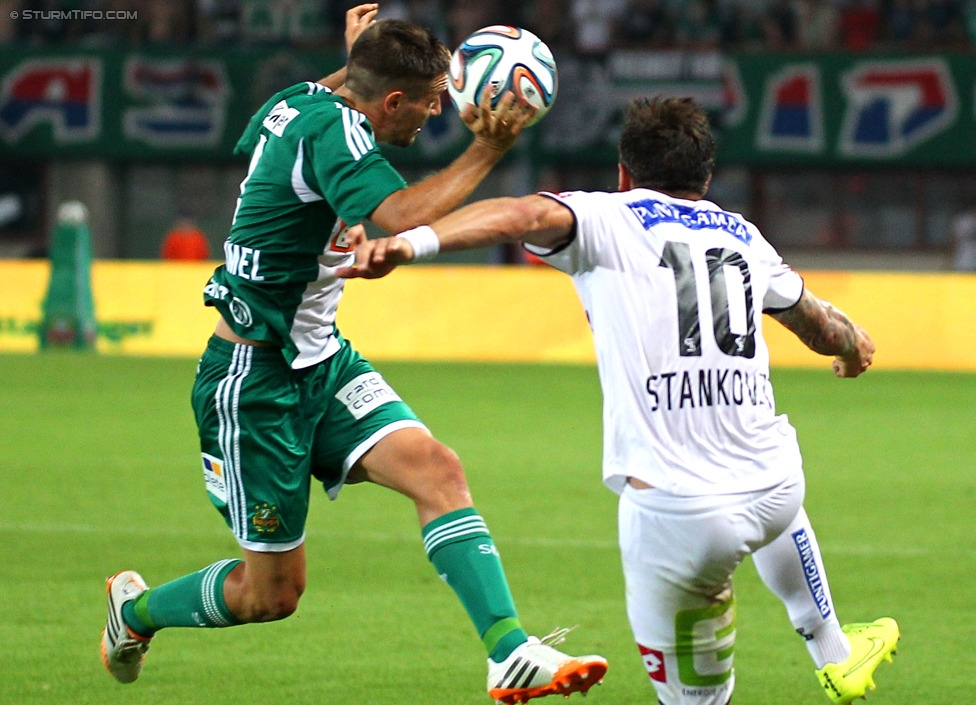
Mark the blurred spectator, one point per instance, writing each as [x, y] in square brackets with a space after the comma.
[463, 18]
[646, 24]
[859, 25]
[817, 23]
[779, 26]
[9, 29]
[157, 22]
[740, 26]
[899, 21]
[185, 242]
[285, 22]
[595, 22]
[219, 21]
[552, 22]
[964, 241]
[945, 24]
[698, 25]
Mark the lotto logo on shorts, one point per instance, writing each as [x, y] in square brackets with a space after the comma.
[654, 663]
[213, 475]
[365, 393]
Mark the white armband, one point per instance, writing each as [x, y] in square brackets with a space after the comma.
[424, 242]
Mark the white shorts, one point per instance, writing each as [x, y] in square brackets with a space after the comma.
[679, 554]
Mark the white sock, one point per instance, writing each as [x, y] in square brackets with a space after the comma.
[829, 644]
[791, 566]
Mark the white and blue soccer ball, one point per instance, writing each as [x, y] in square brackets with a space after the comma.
[501, 58]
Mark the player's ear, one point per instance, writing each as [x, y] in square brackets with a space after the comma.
[393, 101]
[624, 182]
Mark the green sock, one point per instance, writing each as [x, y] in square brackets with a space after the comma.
[462, 551]
[195, 600]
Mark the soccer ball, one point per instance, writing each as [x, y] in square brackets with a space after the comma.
[502, 58]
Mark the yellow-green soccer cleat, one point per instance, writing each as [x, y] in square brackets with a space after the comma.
[871, 643]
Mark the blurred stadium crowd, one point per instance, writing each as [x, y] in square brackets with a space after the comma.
[586, 27]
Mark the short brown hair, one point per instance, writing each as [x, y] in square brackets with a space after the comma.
[394, 55]
[667, 145]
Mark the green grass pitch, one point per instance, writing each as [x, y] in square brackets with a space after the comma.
[99, 471]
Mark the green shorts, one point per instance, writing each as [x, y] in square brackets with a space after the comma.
[266, 430]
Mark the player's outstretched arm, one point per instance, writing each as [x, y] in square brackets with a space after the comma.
[828, 331]
[357, 19]
[538, 220]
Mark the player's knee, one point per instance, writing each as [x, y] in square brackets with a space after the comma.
[273, 603]
[276, 606]
[444, 466]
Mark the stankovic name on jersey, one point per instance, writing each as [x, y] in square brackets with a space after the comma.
[711, 387]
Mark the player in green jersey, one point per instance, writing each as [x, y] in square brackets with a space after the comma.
[280, 397]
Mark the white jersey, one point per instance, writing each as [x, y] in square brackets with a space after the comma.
[675, 291]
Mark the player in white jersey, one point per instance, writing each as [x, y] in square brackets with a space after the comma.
[675, 289]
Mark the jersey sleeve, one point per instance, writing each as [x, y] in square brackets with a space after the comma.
[350, 171]
[785, 285]
[248, 140]
[569, 257]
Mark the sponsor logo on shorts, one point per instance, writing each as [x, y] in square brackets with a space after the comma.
[699, 692]
[213, 476]
[266, 519]
[654, 663]
[811, 572]
[365, 393]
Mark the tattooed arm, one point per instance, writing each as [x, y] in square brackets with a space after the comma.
[826, 330]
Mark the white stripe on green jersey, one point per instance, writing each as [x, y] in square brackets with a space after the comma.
[358, 140]
[305, 193]
[315, 169]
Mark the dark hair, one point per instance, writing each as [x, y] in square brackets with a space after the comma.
[667, 145]
[395, 55]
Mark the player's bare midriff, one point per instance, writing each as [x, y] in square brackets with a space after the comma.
[224, 331]
[638, 484]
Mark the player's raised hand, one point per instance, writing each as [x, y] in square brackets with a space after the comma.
[377, 258]
[859, 359]
[498, 128]
[357, 19]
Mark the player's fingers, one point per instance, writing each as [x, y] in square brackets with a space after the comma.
[843, 368]
[358, 19]
[526, 111]
[356, 235]
[470, 115]
[368, 18]
[382, 251]
[357, 13]
[349, 272]
[486, 97]
[506, 115]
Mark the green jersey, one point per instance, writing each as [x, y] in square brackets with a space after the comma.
[314, 171]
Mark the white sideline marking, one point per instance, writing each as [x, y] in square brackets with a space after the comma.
[839, 549]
